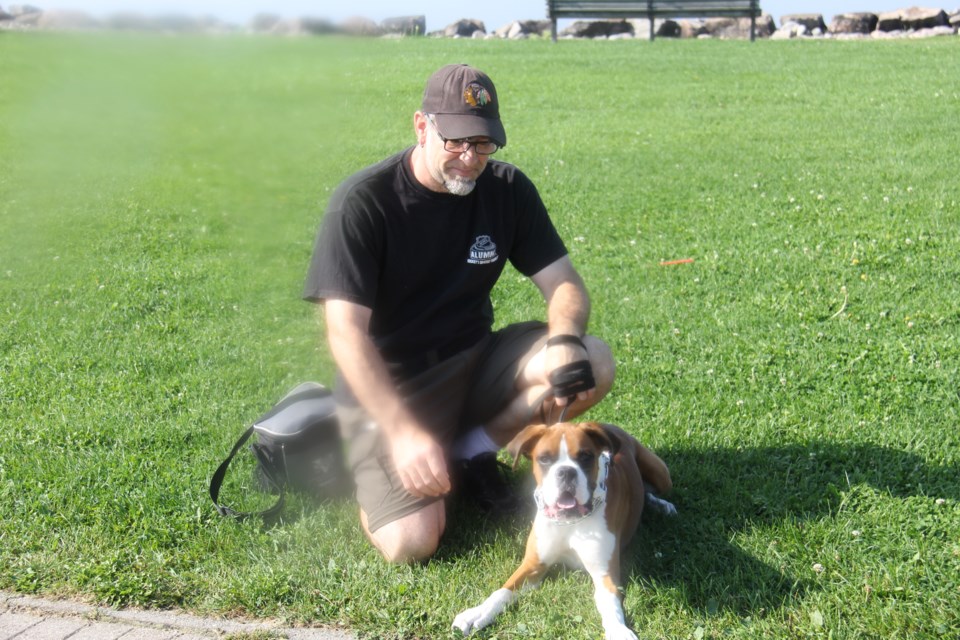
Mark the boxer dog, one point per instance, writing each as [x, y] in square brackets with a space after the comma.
[592, 483]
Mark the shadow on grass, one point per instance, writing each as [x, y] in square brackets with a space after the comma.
[721, 492]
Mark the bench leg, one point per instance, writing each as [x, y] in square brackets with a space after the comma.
[553, 29]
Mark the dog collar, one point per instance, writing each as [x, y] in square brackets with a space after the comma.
[599, 495]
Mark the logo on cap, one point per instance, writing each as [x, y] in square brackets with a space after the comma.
[476, 95]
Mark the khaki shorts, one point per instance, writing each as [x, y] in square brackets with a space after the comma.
[457, 394]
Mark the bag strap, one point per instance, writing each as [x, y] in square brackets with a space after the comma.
[217, 481]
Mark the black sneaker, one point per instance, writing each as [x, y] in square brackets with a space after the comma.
[484, 480]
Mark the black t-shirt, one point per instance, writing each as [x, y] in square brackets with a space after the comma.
[425, 262]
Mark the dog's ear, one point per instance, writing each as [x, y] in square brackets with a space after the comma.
[604, 438]
[524, 442]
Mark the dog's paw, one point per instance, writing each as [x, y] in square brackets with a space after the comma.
[478, 617]
[660, 505]
[620, 632]
[471, 620]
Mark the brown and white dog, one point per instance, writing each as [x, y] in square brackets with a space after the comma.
[592, 483]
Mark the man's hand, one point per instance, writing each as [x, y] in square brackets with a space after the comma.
[420, 462]
[563, 354]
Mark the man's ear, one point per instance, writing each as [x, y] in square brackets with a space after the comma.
[524, 442]
[420, 127]
[604, 438]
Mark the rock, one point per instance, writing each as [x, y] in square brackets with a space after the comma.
[668, 28]
[665, 28]
[922, 18]
[597, 28]
[739, 28]
[405, 25]
[320, 26]
[889, 21]
[263, 22]
[912, 19]
[789, 31]
[692, 28]
[464, 28]
[65, 20]
[811, 21]
[854, 23]
[520, 29]
[19, 10]
[25, 20]
[888, 35]
[291, 27]
[358, 26]
[933, 32]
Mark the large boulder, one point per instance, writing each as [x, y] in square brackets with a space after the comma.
[65, 20]
[923, 18]
[888, 21]
[789, 31]
[853, 23]
[912, 19]
[693, 28]
[263, 22]
[520, 29]
[464, 28]
[405, 26]
[19, 10]
[358, 26]
[666, 28]
[738, 28]
[24, 20]
[810, 21]
[932, 32]
[597, 29]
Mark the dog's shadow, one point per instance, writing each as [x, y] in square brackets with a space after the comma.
[720, 492]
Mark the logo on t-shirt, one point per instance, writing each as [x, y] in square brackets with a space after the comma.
[483, 251]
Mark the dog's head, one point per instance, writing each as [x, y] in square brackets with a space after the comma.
[566, 461]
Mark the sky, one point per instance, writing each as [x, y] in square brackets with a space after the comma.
[439, 13]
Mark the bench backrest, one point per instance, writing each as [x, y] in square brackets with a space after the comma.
[642, 8]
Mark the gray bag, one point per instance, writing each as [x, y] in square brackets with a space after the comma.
[298, 446]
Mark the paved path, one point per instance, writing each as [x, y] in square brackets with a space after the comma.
[30, 618]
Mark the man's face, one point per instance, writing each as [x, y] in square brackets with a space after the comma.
[448, 171]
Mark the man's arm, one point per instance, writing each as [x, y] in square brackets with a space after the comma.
[568, 310]
[418, 457]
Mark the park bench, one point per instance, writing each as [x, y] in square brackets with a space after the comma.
[653, 9]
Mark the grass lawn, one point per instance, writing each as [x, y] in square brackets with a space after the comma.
[158, 202]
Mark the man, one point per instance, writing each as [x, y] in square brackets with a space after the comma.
[404, 263]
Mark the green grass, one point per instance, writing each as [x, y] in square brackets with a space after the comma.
[158, 202]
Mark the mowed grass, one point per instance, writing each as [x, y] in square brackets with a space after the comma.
[158, 203]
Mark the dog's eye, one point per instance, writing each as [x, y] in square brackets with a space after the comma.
[585, 458]
[545, 460]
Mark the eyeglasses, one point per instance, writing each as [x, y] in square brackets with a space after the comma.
[462, 145]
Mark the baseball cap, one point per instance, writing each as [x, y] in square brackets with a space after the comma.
[465, 104]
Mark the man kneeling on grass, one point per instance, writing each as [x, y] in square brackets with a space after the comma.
[407, 255]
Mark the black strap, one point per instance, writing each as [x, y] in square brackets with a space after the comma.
[217, 481]
[565, 338]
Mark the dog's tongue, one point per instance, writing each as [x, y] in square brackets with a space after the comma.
[566, 501]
